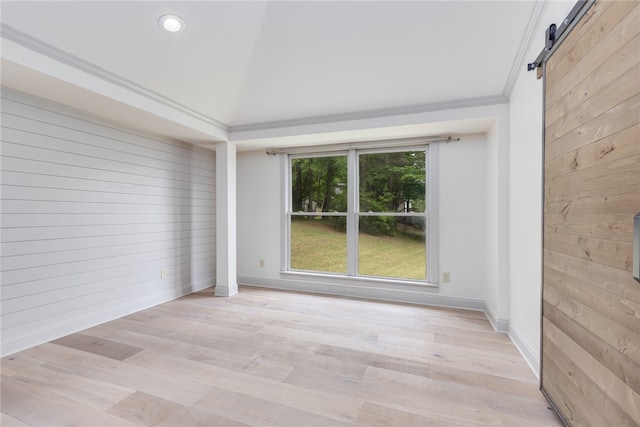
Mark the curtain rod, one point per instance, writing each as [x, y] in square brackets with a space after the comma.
[361, 145]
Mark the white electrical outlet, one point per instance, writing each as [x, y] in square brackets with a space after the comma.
[261, 263]
[446, 277]
[164, 273]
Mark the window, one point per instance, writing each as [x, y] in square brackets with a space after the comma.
[391, 214]
[318, 217]
[359, 213]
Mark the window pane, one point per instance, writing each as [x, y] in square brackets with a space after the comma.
[392, 182]
[391, 246]
[319, 243]
[319, 184]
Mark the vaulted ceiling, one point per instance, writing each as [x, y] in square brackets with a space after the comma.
[256, 65]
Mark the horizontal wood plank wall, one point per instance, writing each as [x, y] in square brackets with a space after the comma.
[591, 303]
[91, 213]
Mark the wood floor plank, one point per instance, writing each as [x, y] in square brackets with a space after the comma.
[194, 336]
[139, 378]
[7, 420]
[449, 355]
[39, 406]
[17, 364]
[146, 409]
[277, 359]
[143, 408]
[344, 409]
[480, 381]
[426, 397]
[476, 342]
[87, 391]
[253, 365]
[261, 412]
[472, 324]
[407, 385]
[381, 416]
[99, 346]
[205, 329]
[364, 358]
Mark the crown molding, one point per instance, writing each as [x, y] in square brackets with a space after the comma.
[31, 43]
[529, 35]
[9, 33]
[371, 114]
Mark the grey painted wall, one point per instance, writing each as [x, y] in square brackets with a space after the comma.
[91, 213]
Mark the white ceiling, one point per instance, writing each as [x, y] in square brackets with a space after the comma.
[252, 65]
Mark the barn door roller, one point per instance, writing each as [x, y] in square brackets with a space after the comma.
[554, 34]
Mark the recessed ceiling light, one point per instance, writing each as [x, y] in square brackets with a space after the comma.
[171, 23]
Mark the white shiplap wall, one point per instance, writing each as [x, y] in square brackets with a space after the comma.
[90, 214]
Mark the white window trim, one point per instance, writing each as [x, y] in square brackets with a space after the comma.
[433, 219]
[352, 214]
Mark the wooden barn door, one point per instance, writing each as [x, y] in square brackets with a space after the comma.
[591, 303]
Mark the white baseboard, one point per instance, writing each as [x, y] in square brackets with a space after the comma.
[71, 326]
[530, 355]
[521, 343]
[499, 325]
[224, 291]
[362, 291]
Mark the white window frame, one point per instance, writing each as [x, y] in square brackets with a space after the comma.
[353, 213]
[289, 208]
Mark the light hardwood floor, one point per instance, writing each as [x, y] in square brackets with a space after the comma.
[270, 358]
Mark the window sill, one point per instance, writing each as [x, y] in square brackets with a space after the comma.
[370, 282]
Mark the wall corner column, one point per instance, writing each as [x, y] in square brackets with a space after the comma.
[226, 269]
[498, 287]
[504, 143]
